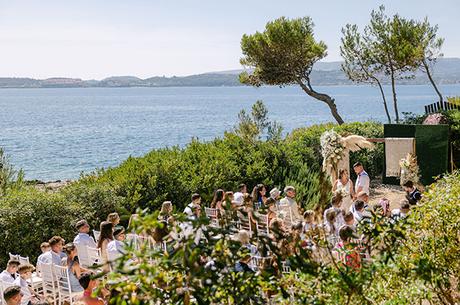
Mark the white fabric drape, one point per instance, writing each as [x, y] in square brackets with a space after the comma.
[395, 150]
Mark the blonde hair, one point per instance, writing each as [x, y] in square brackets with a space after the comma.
[113, 217]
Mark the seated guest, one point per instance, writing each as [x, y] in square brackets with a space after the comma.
[271, 213]
[276, 195]
[238, 196]
[350, 221]
[114, 218]
[28, 294]
[259, 196]
[73, 266]
[44, 247]
[56, 255]
[330, 226]
[402, 212]
[309, 221]
[218, 201]
[196, 201]
[336, 204]
[106, 229]
[348, 252]
[364, 197]
[115, 247]
[83, 237]
[289, 205]
[360, 212]
[244, 239]
[166, 211]
[89, 284]
[12, 295]
[413, 195]
[10, 274]
[242, 265]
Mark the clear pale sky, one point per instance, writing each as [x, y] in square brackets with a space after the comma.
[93, 39]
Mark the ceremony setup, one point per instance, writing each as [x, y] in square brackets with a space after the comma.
[318, 163]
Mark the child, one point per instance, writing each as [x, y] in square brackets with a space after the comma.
[336, 204]
[25, 273]
[402, 212]
[309, 221]
[350, 221]
[348, 254]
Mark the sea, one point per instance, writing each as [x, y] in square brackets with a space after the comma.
[60, 133]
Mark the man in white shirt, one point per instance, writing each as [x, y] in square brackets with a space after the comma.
[56, 255]
[115, 247]
[10, 274]
[363, 180]
[238, 196]
[83, 238]
[196, 202]
[289, 205]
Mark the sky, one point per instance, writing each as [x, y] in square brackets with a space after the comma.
[92, 39]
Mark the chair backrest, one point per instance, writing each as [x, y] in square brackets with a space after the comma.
[94, 256]
[213, 215]
[244, 223]
[14, 256]
[262, 224]
[62, 277]
[50, 290]
[24, 260]
[285, 211]
[83, 257]
[97, 234]
[131, 238]
[47, 274]
[258, 261]
[286, 267]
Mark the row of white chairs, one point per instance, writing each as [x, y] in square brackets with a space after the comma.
[56, 284]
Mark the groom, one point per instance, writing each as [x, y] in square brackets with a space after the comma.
[363, 180]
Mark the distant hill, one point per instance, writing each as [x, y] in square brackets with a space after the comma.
[446, 71]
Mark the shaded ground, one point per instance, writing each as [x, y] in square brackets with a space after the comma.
[394, 193]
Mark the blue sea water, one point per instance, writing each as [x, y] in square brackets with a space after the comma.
[59, 133]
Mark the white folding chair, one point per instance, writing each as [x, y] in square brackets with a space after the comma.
[94, 256]
[14, 256]
[258, 261]
[213, 215]
[63, 283]
[97, 234]
[83, 257]
[49, 283]
[244, 223]
[262, 224]
[285, 213]
[131, 238]
[23, 260]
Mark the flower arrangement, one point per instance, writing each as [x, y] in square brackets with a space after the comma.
[409, 169]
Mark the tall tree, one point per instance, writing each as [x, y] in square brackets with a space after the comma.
[431, 45]
[284, 54]
[358, 63]
[393, 48]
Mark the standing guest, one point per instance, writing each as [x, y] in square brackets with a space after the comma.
[114, 218]
[73, 266]
[196, 201]
[238, 196]
[115, 248]
[402, 212]
[259, 195]
[289, 205]
[345, 186]
[349, 254]
[25, 273]
[44, 247]
[89, 284]
[336, 207]
[363, 180]
[83, 237]
[10, 273]
[106, 237]
[56, 255]
[413, 195]
[12, 295]
[271, 205]
[218, 200]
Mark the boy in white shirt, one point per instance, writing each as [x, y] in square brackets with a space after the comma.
[10, 273]
[83, 237]
[25, 273]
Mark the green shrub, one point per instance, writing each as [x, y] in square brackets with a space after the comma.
[29, 217]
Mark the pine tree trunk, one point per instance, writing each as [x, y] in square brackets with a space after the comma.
[387, 111]
[427, 70]
[324, 98]
[395, 101]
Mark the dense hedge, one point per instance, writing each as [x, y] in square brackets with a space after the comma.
[29, 217]
[174, 174]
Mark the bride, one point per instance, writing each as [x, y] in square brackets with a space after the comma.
[345, 186]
